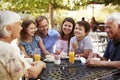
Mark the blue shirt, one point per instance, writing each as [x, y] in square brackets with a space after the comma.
[50, 40]
[31, 46]
[112, 51]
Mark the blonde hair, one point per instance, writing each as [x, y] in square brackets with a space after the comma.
[7, 18]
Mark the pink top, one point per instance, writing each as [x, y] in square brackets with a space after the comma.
[62, 45]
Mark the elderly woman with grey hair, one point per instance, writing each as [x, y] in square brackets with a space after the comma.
[12, 65]
[111, 57]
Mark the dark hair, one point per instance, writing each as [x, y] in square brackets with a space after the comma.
[24, 25]
[83, 18]
[40, 18]
[85, 24]
[69, 19]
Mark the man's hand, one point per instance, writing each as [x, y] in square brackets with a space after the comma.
[93, 62]
[94, 55]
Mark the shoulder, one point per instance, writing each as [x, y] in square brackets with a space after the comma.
[22, 43]
[7, 46]
[10, 50]
[53, 33]
[73, 38]
[110, 42]
[36, 37]
[86, 38]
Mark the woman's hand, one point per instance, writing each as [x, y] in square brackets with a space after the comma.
[42, 64]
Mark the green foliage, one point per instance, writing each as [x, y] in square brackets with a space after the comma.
[29, 6]
[41, 6]
[37, 7]
[105, 11]
[113, 2]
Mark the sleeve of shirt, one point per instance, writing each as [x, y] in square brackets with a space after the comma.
[88, 43]
[106, 54]
[27, 65]
[37, 38]
[55, 35]
[15, 65]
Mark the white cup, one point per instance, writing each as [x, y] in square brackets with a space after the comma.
[50, 57]
[57, 59]
[30, 60]
[63, 55]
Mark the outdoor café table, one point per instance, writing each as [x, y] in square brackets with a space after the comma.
[76, 71]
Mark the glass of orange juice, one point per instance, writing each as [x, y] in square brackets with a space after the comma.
[71, 56]
[37, 56]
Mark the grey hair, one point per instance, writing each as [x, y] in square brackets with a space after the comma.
[7, 18]
[115, 18]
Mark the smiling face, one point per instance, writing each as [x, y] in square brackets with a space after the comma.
[67, 27]
[79, 31]
[31, 29]
[112, 30]
[43, 27]
[112, 26]
[15, 30]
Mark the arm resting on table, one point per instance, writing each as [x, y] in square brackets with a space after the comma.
[115, 64]
[35, 70]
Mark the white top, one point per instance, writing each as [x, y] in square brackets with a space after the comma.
[12, 64]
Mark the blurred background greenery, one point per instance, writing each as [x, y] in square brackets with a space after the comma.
[57, 10]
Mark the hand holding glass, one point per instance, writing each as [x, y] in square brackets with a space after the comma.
[75, 45]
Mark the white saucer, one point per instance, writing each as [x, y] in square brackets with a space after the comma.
[66, 57]
[77, 58]
[46, 60]
[30, 60]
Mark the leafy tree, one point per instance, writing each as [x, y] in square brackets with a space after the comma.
[42, 6]
[113, 2]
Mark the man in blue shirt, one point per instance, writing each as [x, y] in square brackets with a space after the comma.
[111, 57]
[113, 50]
[49, 37]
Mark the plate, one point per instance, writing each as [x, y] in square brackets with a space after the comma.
[30, 60]
[64, 57]
[46, 60]
[76, 58]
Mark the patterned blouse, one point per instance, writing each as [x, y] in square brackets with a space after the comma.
[12, 65]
